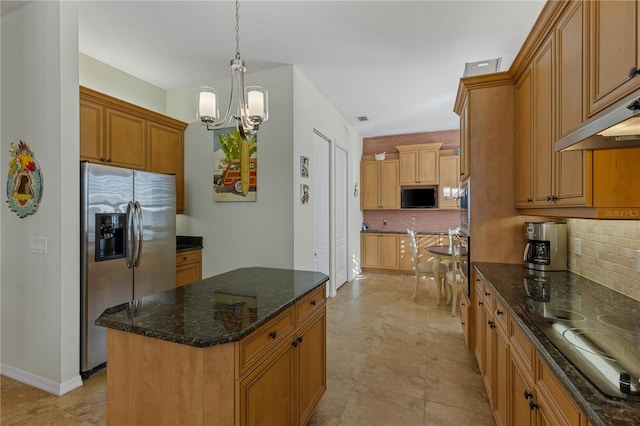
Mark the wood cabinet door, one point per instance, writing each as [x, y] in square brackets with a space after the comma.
[543, 141]
[406, 257]
[389, 189]
[166, 155]
[266, 395]
[312, 367]
[91, 131]
[480, 330]
[389, 251]
[573, 168]
[449, 177]
[369, 185]
[501, 395]
[428, 167]
[524, 142]
[520, 413]
[409, 167]
[188, 267]
[464, 315]
[489, 353]
[614, 50]
[370, 250]
[125, 140]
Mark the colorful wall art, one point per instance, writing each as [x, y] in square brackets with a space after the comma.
[24, 182]
[235, 170]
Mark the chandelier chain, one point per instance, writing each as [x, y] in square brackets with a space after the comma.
[237, 29]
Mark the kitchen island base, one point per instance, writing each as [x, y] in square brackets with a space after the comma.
[273, 375]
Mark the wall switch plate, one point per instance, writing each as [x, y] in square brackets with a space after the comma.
[576, 246]
[38, 245]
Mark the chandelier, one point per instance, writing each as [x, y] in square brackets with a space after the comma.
[247, 105]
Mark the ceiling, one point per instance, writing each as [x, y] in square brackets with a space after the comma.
[396, 62]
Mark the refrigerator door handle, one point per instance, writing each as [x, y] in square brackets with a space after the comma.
[139, 229]
[130, 234]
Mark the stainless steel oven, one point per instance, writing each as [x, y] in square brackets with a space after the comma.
[465, 227]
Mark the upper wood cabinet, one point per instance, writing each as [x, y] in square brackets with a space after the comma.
[549, 103]
[380, 189]
[524, 142]
[419, 164]
[614, 49]
[121, 134]
[449, 178]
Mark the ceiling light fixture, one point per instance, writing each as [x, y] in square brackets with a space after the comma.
[251, 107]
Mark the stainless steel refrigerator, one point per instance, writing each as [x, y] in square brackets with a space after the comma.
[128, 246]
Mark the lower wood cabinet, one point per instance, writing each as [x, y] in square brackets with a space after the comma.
[379, 250]
[521, 388]
[285, 388]
[274, 376]
[391, 251]
[465, 304]
[188, 267]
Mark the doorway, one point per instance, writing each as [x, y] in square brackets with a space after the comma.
[341, 216]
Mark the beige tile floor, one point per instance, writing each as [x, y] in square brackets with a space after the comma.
[391, 361]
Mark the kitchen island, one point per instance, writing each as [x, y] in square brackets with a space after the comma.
[244, 347]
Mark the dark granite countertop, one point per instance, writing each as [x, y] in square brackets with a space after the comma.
[220, 309]
[187, 243]
[373, 231]
[571, 293]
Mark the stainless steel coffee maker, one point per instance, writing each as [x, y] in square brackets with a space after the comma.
[546, 249]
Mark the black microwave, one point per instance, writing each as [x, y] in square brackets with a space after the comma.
[419, 198]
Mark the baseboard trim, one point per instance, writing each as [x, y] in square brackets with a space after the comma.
[40, 382]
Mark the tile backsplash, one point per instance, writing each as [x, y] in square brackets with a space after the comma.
[436, 220]
[608, 253]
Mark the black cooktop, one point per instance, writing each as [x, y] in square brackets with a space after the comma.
[603, 344]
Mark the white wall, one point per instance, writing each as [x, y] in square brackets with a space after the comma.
[40, 292]
[104, 78]
[312, 112]
[241, 234]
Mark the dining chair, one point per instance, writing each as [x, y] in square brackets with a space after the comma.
[425, 268]
[455, 277]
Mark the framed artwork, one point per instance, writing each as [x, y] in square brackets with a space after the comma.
[304, 166]
[235, 166]
[304, 194]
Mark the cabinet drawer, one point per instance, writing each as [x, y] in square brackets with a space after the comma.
[310, 304]
[522, 346]
[262, 341]
[500, 315]
[187, 257]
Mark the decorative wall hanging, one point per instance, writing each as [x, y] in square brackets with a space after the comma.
[235, 173]
[24, 182]
[304, 166]
[304, 194]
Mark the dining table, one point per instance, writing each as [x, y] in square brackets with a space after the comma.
[440, 253]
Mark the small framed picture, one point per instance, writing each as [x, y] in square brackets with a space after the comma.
[304, 166]
[304, 194]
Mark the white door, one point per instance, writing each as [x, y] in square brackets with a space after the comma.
[319, 194]
[341, 184]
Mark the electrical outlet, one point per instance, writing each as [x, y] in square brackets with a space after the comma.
[576, 246]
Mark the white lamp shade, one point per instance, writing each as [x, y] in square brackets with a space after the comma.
[257, 103]
[206, 104]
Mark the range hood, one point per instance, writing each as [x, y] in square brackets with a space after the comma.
[618, 127]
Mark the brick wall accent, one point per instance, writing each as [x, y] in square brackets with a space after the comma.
[450, 139]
